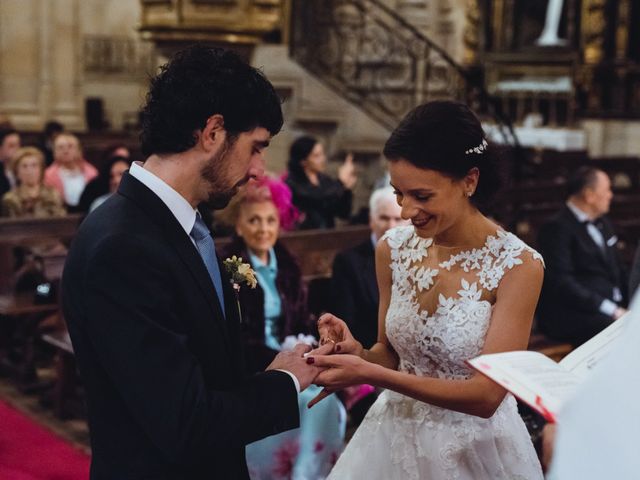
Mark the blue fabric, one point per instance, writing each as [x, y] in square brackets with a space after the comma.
[305, 453]
[266, 275]
[207, 250]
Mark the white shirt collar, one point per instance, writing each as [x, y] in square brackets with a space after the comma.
[176, 203]
[580, 215]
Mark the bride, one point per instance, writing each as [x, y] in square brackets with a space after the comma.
[452, 285]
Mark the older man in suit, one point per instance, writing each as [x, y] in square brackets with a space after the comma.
[585, 287]
[151, 311]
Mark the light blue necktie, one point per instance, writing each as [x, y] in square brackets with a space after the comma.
[207, 250]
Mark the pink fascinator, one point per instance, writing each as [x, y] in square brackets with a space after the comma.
[280, 194]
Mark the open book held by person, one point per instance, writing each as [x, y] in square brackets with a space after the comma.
[539, 381]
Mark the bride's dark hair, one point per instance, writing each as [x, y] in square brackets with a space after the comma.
[446, 136]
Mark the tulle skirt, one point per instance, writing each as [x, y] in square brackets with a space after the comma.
[402, 438]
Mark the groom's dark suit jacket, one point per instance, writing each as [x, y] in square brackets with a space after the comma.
[579, 275]
[162, 366]
[355, 291]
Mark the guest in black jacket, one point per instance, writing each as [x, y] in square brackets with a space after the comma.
[354, 288]
[9, 145]
[319, 197]
[277, 307]
[114, 161]
[585, 286]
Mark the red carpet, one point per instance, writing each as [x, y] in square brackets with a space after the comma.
[31, 452]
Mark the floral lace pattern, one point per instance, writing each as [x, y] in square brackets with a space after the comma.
[419, 440]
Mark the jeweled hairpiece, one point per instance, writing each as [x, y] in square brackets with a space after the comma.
[479, 149]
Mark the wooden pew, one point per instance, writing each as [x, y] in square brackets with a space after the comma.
[315, 249]
[66, 377]
[27, 232]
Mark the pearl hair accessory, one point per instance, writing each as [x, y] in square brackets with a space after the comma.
[479, 149]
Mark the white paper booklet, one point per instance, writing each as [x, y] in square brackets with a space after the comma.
[539, 381]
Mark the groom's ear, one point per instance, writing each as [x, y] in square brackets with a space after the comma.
[213, 134]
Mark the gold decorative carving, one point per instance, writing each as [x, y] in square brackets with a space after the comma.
[622, 30]
[221, 21]
[593, 27]
[471, 32]
[497, 24]
[117, 56]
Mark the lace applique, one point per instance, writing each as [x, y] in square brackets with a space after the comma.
[437, 345]
[499, 254]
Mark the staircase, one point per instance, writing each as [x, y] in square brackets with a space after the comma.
[373, 57]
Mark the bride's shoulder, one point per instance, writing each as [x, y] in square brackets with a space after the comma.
[404, 236]
[396, 236]
[507, 245]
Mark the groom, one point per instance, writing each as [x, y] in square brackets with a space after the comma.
[151, 313]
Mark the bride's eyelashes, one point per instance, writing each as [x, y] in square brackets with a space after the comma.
[419, 197]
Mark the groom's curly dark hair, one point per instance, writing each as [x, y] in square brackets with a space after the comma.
[200, 82]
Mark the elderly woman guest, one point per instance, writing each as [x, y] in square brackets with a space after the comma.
[30, 197]
[319, 197]
[275, 309]
[69, 173]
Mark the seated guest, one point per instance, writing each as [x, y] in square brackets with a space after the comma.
[69, 173]
[105, 184]
[275, 309]
[9, 144]
[319, 197]
[30, 197]
[585, 286]
[115, 157]
[353, 279]
[51, 130]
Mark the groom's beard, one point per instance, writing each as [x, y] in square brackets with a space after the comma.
[220, 194]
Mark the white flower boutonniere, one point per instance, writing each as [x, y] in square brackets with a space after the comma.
[240, 273]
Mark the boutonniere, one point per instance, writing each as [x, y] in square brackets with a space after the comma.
[240, 273]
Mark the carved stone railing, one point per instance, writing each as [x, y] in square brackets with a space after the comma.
[372, 56]
[118, 56]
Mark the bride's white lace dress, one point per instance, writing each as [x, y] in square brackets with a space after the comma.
[433, 331]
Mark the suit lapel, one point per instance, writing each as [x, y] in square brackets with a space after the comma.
[589, 242]
[180, 241]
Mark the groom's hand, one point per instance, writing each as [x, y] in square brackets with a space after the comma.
[294, 362]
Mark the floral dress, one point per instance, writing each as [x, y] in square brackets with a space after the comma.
[306, 453]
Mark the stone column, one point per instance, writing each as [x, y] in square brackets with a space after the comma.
[39, 62]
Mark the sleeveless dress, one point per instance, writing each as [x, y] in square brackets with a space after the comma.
[433, 331]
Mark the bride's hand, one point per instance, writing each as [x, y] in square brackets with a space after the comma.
[334, 330]
[339, 371]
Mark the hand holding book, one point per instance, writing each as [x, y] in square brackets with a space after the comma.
[539, 381]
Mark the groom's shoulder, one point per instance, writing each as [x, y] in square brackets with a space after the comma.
[117, 214]
[116, 225]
